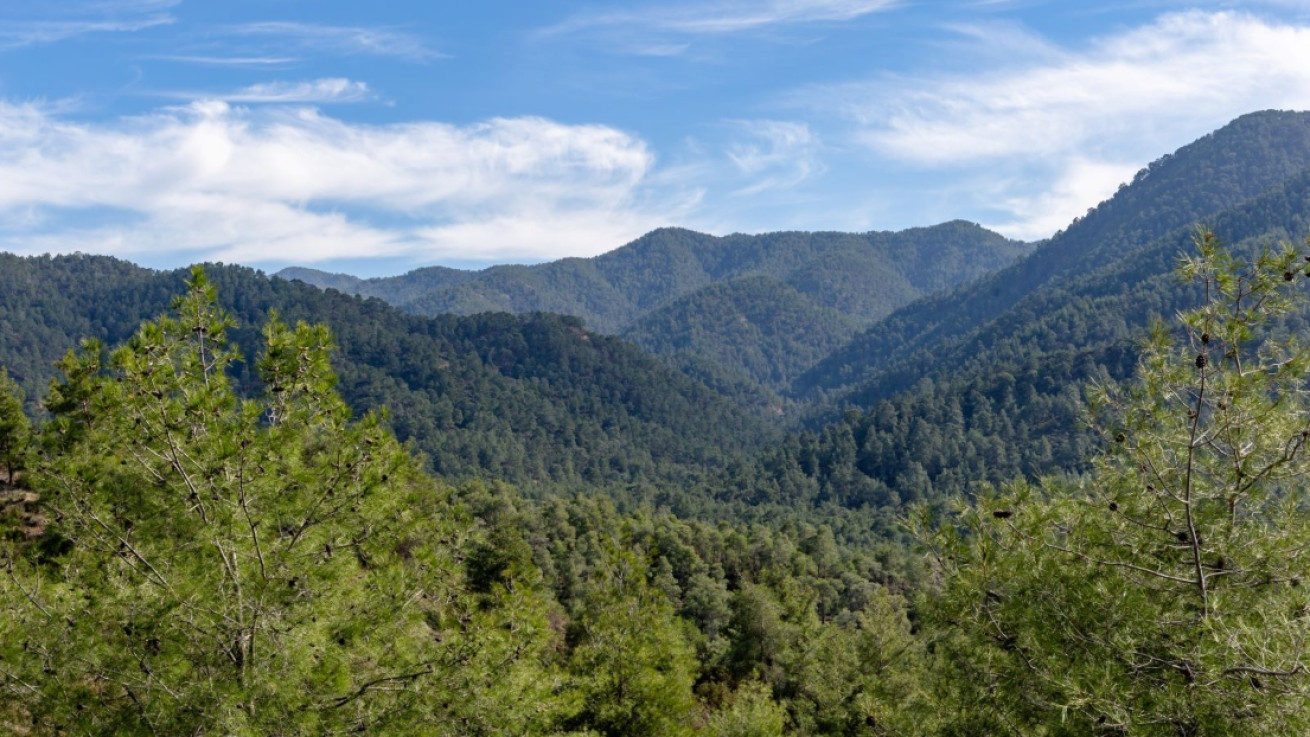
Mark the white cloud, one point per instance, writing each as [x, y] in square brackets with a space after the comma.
[227, 61]
[724, 17]
[345, 40]
[773, 154]
[45, 23]
[319, 91]
[1184, 67]
[1079, 115]
[17, 35]
[1078, 184]
[544, 234]
[293, 185]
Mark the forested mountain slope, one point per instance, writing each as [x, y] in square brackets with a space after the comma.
[826, 284]
[532, 398]
[538, 398]
[186, 556]
[862, 275]
[1003, 400]
[397, 290]
[764, 329]
[351, 593]
[1236, 163]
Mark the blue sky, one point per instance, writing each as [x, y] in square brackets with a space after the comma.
[376, 137]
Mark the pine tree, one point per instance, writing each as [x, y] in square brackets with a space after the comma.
[632, 661]
[262, 566]
[1162, 595]
[15, 431]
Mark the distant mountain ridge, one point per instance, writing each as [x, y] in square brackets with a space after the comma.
[531, 399]
[976, 383]
[830, 284]
[984, 384]
[859, 274]
[1219, 171]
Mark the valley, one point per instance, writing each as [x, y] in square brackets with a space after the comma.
[748, 484]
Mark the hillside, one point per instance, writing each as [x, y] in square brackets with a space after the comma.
[1232, 165]
[928, 403]
[397, 290]
[534, 398]
[1003, 398]
[863, 275]
[165, 508]
[846, 280]
[761, 328]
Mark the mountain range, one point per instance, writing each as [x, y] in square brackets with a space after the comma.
[532, 399]
[763, 307]
[984, 384]
[794, 370]
[684, 504]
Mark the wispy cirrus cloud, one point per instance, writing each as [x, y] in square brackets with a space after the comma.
[647, 31]
[214, 60]
[318, 91]
[45, 23]
[343, 40]
[214, 181]
[773, 154]
[1191, 66]
[1078, 121]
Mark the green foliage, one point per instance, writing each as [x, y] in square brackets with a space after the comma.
[982, 386]
[855, 675]
[752, 713]
[630, 658]
[397, 290]
[1163, 595]
[15, 430]
[613, 291]
[786, 607]
[217, 544]
[257, 566]
[535, 400]
[763, 307]
[266, 565]
[757, 326]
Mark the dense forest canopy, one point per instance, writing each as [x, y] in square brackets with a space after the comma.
[1160, 594]
[761, 308]
[863, 275]
[531, 399]
[183, 559]
[192, 561]
[265, 508]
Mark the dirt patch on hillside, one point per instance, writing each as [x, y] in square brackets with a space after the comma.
[20, 512]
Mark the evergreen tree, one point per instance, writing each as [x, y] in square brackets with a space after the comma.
[751, 713]
[256, 567]
[631, 661]
[1162, 596]
[15, 432]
